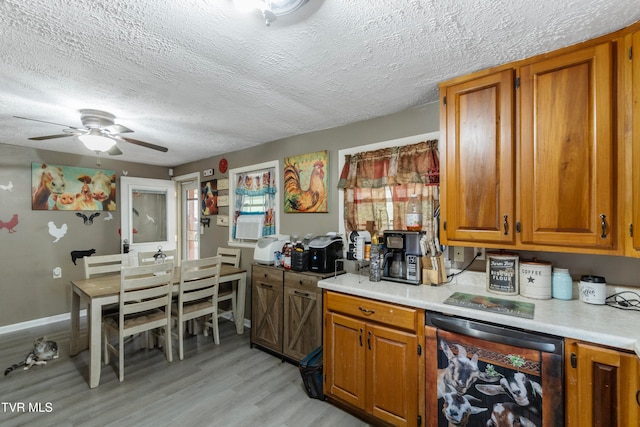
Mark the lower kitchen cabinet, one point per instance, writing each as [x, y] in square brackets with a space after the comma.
[286, 311]
[602, 386]
[372, 358]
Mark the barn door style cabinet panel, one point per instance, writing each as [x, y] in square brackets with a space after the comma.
[602, 386]
[529, 161]
[287, 311]
[372, 358]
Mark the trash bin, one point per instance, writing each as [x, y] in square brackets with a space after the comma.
[311, 371]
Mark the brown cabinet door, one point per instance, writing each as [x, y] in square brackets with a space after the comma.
[302, 321]
[480, 159]
[267, 299]
[392, 375]
[602, 388]
[566, 156]
[635, 174]
[344, 359]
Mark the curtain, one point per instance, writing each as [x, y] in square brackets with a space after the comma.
[256, 195]
[378, 184]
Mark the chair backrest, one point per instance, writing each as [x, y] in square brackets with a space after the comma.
[146, 258]
[199, 279]
[145, 288]
[229, 256]
[101, 264]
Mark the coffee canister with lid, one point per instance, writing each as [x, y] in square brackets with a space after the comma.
[535, 279]
[502, 273]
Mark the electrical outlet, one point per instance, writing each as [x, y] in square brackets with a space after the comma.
[480, 251]
[57, 273]
[458, 254]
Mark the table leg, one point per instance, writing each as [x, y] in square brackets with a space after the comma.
[240, 297]
[75, 322]
[95, 340]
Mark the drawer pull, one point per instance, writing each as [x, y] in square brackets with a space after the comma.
[304, 294]
[365, 310]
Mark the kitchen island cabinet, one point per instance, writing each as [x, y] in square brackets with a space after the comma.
[286, 311]
[602, 386]
[372, 358]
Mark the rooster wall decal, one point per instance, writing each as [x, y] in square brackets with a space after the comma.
[299, 200]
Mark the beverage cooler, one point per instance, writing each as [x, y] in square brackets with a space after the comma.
[481, 374]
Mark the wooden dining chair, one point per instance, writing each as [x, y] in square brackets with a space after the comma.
[197, 296]
[228, 290]
[144, 305]
[146, 258]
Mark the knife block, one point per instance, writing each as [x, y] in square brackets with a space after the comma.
[434, 272]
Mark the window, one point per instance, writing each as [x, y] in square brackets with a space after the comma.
[253, 194]
[382, 196]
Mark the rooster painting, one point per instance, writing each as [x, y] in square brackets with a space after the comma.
[298, 196]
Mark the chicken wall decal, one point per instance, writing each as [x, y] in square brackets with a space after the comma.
[298, 199]
[57, 232]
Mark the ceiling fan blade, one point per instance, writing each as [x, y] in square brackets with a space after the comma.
[145, 144]
[42, 121]
[42, 138]
[114, 151]
[116, 129]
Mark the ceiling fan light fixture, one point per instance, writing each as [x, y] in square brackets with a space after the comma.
[95, 141]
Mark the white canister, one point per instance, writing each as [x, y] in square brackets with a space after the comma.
[535, 279]
[593, 289]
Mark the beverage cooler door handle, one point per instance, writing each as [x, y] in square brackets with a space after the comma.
[465, 327]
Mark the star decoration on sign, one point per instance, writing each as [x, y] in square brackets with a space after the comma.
[531, 279]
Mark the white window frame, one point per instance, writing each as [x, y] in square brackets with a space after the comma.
[275, 164]
[369, 147]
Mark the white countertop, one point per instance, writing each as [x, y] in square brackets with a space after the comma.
[599, 324]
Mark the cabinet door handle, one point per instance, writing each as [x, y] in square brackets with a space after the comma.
[360, 337]
[505, 224]
[369, 340]
[304, 294]
[365, 310]
[638, 397]
[603, 224]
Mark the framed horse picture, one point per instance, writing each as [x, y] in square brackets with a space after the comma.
[70, 188]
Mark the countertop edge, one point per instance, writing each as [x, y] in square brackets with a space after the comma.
[569, 319]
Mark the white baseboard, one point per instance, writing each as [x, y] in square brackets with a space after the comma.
[15, 327]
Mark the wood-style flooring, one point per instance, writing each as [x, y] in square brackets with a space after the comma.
[226, 385]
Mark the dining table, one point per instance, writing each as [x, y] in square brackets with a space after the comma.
[104, 290]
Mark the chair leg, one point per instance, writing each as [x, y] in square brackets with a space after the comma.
[234, 289]
[105, 344]
[180, 327]
[167, 341]
[121, 357]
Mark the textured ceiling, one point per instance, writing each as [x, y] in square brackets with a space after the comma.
[201, 79]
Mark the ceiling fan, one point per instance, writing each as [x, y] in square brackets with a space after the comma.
[99, 132]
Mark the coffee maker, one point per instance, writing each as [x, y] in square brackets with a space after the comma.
[402, 255]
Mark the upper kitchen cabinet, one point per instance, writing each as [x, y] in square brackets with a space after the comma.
[530, 154]
[634, 168]
[478, 120]
[566, 150]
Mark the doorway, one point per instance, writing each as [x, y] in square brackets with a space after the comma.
[189, 215]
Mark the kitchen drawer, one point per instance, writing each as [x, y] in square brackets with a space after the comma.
[301, 281]
[374, 311]
[267, 274]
